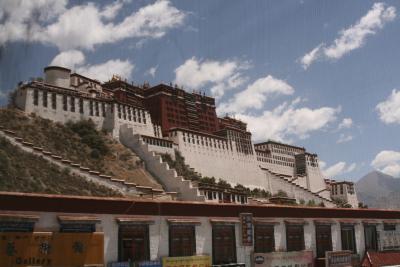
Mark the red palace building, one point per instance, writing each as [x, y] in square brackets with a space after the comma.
[172, 107]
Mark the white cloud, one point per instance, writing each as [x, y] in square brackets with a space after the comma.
[104, 71]
[69, 59]
[256, 94]
[339, 168]
[287, 120]
[152, 71]
[389, 110]
[343, 138]
[311, 56]
[353, 37]
[75, 60]
[345, 124]
[83, 26]
[387, 161]
[220, 75]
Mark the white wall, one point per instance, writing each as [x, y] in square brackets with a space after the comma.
[158, 235]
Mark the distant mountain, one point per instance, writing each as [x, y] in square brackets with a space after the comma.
[379, 190]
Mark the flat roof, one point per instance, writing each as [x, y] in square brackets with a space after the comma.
[10, 201]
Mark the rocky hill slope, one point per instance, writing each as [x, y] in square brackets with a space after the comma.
[78, 142]
[379, 190]
[24, 172]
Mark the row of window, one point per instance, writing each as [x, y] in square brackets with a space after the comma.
[131, 114]
[69, 103]
[225, 197]
[192, 138]
[182, 240]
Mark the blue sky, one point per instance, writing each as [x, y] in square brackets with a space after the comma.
[319, 74]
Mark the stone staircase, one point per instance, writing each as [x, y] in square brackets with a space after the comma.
[168, 177]
[299, 188]
[125, 188]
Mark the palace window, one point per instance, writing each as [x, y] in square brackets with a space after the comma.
[133, 243]
[371, 237]
[103, 109]
[91, 108]
[182, 240]
[65, 103]
[294, 237]
[72, 102]
[81, 105]
[264, 240]
[223, 244]
[35, 97]
[54, 100]
[348, 238]
[323, 236]
[44, 99]
[96, 105]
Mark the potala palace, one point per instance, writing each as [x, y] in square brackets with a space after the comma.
[165, 118]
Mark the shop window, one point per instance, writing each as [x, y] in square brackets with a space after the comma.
[264, 240]
[323, 236]
[389, 227]
[371, 237]
[133, 243]
[294, 237]
[77, 227]
[35, 97]
[54, 100]
[182, 240]
[65, 103]
[348, 238]
[223, 244]
[44, 99]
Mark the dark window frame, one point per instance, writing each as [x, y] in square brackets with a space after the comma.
[371, 242]
[44, 99]
[298, 245]
[176, 231]
[216, 228]
[346, 228]
[389, 227]
[260, 244]
[54, 100]
[77, 227]
[65, 102]
[322, 243]
[81, 103]
[133, 230]
[36, 97]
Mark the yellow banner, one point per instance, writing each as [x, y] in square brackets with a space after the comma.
[190, 261]
[51, 249]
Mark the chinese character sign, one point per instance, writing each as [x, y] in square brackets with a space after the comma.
[246, 222]
[280, 259]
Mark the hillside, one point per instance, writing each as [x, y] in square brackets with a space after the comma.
[379, 190]
[80, 143]
[24, 172]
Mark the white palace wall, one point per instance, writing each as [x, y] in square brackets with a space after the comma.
[110, 118]
[220, 162]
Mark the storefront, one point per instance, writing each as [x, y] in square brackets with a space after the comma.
[81, 231]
